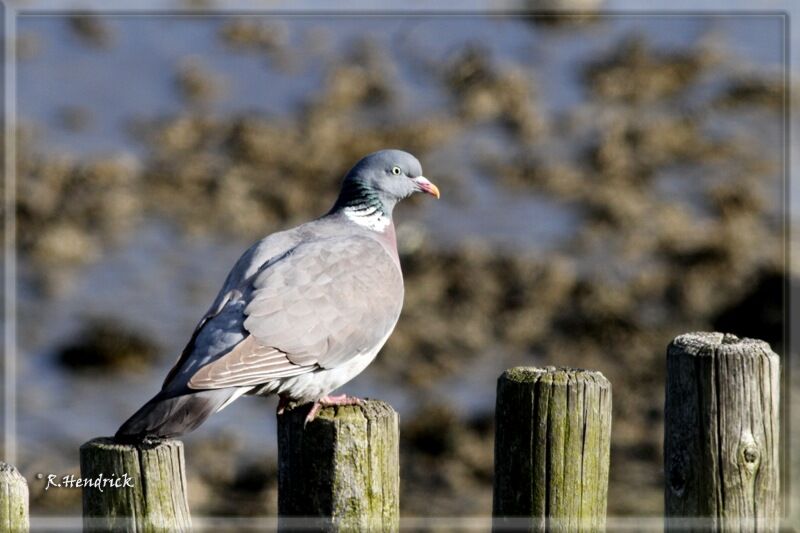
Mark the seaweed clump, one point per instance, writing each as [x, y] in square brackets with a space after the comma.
[106, 345]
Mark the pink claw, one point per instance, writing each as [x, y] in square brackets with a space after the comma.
[330, 401]
[312, 414]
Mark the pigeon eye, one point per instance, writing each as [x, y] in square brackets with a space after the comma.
[396, 171]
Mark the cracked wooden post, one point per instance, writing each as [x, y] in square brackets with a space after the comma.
[13, 499]
[552, 445]
[135, 487]
[721, 434]
[340, 472]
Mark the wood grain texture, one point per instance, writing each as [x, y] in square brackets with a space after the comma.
[721, 433]
[156, 502]
[13, 499]
[552, 446]
[340, 472]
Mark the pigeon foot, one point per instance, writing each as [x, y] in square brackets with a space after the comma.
[330, 401]
[283, 402]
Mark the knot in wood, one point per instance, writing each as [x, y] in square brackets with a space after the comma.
[749, 454]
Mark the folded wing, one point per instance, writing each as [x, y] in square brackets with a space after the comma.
[320, 305]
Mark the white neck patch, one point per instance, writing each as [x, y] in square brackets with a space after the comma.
[368, 217]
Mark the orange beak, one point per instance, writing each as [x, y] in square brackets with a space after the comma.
[426, 186]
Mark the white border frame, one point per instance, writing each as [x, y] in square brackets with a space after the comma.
[785, 8]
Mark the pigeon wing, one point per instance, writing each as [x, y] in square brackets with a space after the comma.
[323, 303]
[254, 260]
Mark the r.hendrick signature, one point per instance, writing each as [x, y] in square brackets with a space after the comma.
[71, 481]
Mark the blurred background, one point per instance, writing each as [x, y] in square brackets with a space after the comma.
[608, 182]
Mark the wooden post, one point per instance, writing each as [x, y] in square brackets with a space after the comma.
[552, 444]
[13, 499]
[141, 487]
[721, 434]
[340, 472]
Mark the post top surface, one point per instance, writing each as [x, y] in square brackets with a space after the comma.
[552, 374]
[108, 443]
[704, 343]
[369, 409]
[9, 471]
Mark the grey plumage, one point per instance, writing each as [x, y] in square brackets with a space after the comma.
[302, 312]
[170, 416]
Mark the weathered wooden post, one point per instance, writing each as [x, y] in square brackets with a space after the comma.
[552, 445]
[721, 434]
[341, 471]
[134, 487]
[13, 499]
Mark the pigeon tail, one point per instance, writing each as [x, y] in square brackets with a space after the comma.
[168, 416]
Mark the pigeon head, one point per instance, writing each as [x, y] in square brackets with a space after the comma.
[381, 179]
